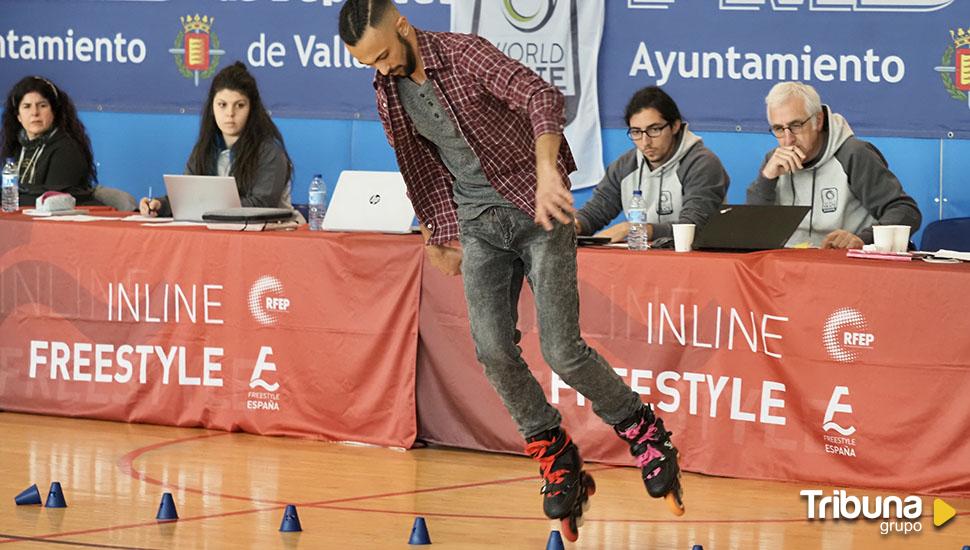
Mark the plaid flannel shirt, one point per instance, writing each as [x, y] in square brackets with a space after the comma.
[499, 105]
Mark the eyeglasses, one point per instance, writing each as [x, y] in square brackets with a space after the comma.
[794, 127]
[635, 134]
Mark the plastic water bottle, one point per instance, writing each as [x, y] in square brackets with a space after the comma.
[317, 202]
[11, 186]
[637, 239]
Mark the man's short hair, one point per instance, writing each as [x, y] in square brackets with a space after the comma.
[783, 91]
[357, 15]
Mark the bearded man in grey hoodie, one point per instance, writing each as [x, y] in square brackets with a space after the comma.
[682, 181]
[820, 163]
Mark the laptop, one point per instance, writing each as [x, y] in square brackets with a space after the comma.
[750, 227]
[193, 196]
[369, 201]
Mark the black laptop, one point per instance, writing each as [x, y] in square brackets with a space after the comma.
[748, 227]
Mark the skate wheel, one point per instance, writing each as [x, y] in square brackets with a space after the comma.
[675, 503]
[590, 485]
[569, 529]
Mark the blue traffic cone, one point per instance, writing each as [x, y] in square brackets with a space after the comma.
[697, 547]
[166, 509]
[555, 541]
[291, 521]
[55, 498]
[419, 532]
[967, 547]
[30, 495]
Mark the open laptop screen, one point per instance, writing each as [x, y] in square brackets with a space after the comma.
[193, 196]
[369, 201]
[750, 227]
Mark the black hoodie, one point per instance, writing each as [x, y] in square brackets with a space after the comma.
[52, 161]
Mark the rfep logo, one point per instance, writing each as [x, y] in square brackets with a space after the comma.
[266, 301]
[846, 334]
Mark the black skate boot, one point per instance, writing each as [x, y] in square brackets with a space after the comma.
[566, 488]
[655, 455]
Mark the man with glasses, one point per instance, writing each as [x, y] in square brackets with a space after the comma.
[681, 180]
[821, 164]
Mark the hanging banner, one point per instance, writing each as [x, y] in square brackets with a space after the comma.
[160, 55]
[891, 67]
[559, 40]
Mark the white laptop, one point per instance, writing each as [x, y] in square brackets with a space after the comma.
[192, 196]
[369, 201]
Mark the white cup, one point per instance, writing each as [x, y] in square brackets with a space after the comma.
[900, 238]
[884, 237]
[683, 236]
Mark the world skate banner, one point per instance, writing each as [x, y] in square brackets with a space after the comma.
[269, 333]
[795, 365]
[561, 42]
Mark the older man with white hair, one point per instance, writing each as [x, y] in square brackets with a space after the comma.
[821, 164]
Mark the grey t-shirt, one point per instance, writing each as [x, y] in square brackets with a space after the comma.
[473, 193]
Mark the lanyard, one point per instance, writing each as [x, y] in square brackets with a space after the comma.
[32, 163]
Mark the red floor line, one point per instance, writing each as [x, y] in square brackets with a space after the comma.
[144, 524]
[439, 489]
[126, 465]
[544, 518]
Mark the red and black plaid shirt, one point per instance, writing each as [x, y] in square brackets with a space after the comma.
[499, 105]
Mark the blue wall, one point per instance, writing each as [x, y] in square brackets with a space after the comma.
[134, 150]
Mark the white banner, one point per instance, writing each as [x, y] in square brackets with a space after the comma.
[560, 40]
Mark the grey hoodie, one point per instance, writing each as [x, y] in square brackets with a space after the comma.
[849, 186]
[685, 189]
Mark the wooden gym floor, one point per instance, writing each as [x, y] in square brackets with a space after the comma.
[230, 490]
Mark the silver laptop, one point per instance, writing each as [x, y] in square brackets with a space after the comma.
[193, 196]
[369, 201]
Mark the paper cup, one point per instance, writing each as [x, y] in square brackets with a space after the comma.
[900, 238]
[884, 237]
[683, 236]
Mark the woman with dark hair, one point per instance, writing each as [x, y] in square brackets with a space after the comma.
[682, 181]
[42, 133]
[237, 138]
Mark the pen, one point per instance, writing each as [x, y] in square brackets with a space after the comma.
[151, 197]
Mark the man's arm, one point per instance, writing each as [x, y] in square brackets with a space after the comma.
[517, 86]
[445, 257]
[607, 200]
[704, 183]
[876, 187]
[553, 199]
[763, 190]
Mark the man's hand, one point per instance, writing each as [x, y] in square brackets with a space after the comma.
[841, 238]
[553, 199]
[619, 232]
[447, 259]
[785, 160]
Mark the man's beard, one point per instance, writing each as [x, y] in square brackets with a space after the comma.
[410, 60]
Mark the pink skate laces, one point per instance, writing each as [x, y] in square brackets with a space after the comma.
[648, 437]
